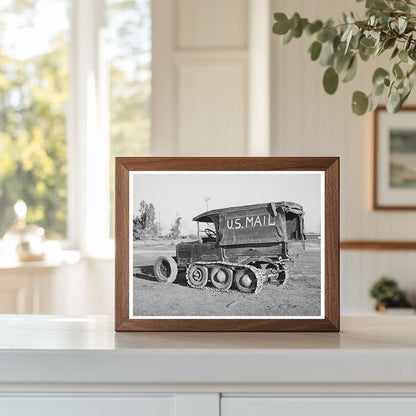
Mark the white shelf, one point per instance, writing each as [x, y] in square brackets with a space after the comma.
[51, 349]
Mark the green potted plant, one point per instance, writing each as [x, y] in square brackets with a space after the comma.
[389, 27]
[387, 294]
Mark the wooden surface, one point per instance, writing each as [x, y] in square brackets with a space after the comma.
[330, 165]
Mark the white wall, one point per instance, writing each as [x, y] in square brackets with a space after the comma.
[202, 81]
[308, 122]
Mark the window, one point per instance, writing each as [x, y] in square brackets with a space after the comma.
[129, 45]
[75, 87]
[33, 98]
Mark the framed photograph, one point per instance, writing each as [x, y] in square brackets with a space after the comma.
[227, 244]
[395, 159]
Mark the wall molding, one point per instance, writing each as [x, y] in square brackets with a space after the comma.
[378, 245]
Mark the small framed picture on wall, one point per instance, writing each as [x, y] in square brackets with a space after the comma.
[394, 178]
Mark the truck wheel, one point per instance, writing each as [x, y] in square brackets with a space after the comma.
[221, 277]
[282, 277]
[165, 269]
[197, 276]
[245, 281]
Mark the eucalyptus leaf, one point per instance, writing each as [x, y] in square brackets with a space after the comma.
[359, 103]
[341, 62]
[402, 22]
[355, 41]
[327, 54]
[412, 70]
[350, 18]
[400, 5]
[379, 75]
[350, 73]
[403, 56]
[330, 80]
[337, 43]
[375, 35]
[322, 36]
[294, 20]
[400, 85]
[282, 26]
[408, 42]
[378, 89]
[404, 96]
[366, 53]
[397, 71]
[411, 78]
[376, 4]
[412, 52]
[352, 31]
[389, 43]
[367, 42]
[374, 102]
[315, 50]
[394, 25]
[393, 101]
[288, 37]
[346, 34]
[298, 30]
[314, 27]
[395, 52]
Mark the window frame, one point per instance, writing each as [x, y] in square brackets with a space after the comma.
[88, 133]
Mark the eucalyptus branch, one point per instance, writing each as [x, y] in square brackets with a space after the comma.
[388, 25]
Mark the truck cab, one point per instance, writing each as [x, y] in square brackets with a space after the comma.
[206, 248]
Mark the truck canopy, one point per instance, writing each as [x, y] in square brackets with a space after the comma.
[260, 223]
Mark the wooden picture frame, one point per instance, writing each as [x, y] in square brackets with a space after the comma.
[136, 177]
[391, 178]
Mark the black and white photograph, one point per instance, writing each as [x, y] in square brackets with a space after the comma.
[226, 244]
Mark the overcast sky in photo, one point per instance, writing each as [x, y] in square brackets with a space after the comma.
[187, 194]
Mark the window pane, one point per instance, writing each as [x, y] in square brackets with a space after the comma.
[33, 100]
[129, 46]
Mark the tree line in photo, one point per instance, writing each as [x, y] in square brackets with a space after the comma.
[146, 225]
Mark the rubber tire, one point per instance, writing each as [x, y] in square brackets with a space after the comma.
[229, 274]
[204, 279]
[237, 277]
[171, 264]
[283, 276]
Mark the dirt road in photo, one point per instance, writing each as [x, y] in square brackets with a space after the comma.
[300, 296]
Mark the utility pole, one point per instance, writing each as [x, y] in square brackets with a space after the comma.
[206, 198]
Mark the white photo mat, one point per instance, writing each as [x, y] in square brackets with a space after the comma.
[144, 179]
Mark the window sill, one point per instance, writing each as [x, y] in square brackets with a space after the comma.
[50, 261]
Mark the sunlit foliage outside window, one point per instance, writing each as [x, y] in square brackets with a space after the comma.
[33, 103]
[129, 46]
